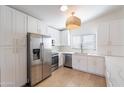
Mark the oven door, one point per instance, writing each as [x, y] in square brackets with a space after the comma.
[54, 62]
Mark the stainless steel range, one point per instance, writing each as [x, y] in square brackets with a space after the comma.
[55, 61]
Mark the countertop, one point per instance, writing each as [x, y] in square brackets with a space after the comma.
[81, 54]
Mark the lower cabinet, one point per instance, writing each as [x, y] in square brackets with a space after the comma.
[79, 62]
[61, 59]
[90, 64]
[7, 61]
[21, 66]
[100, 66]
[114, 71]
[13, 67]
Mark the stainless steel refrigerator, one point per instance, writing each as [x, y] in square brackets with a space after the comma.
[39, 57]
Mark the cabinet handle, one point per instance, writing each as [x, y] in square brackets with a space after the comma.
[16, 46]
[14, 51]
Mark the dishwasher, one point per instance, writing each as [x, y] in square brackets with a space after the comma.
[68, 60]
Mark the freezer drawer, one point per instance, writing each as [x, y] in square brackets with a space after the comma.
[68, 60]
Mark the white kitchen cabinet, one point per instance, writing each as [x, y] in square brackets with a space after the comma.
[6, 30]
[96, 65]
[103, 50]
[42, 28]
[114, 71]
[37, 26]
[20, 24]
[75, 62]
[20, 48]
[116, 32]
[89, 63]
[64, 38]
[100, 66]
[8, 67]
[79, 62]
[117, 50]
[83, 63]
[32, 24]
[103, 34]
[13, 51]
[92, 64]
[55, 35]
[61, 59]
[110, 39]
[21, 66]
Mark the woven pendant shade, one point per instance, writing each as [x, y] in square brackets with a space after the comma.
[73, 22]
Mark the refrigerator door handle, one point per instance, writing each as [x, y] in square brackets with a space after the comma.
[41, 52]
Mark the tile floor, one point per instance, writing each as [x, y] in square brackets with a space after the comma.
[66, 77]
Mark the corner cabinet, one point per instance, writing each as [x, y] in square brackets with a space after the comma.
[64, 38]
[55, 35]
[13, 52]
[90, 64]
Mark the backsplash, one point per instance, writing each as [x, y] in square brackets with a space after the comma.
[55, 49]
[69, 49]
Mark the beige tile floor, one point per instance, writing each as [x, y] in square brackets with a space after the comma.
[66, 77]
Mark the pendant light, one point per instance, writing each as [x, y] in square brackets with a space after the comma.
[73, 22]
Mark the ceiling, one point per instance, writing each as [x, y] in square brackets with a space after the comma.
[52, 15]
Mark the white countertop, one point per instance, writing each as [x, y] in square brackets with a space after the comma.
[81, 54]
[85, 54]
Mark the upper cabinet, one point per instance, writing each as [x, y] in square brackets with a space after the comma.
[20, 24]
[37, 26]
[117, 32]
[55, 35]
[103, 34]
[42, 28]
[6, 26]
[64, 38]
[110, 39]
[32, 25]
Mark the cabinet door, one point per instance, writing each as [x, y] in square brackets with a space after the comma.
[20, 24]
[83, 63]
[21, 67]
[92, 64]
[100, 66]
[57, 38]
[55, 35]
[42, 28]
[75, 62]
[117, 50]
[20, 28]
[64, 38]
[117, 32]
[61, 59]
[8, 67]
[103, 50]
[103, 34]
[6, 30]
[32, 25]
